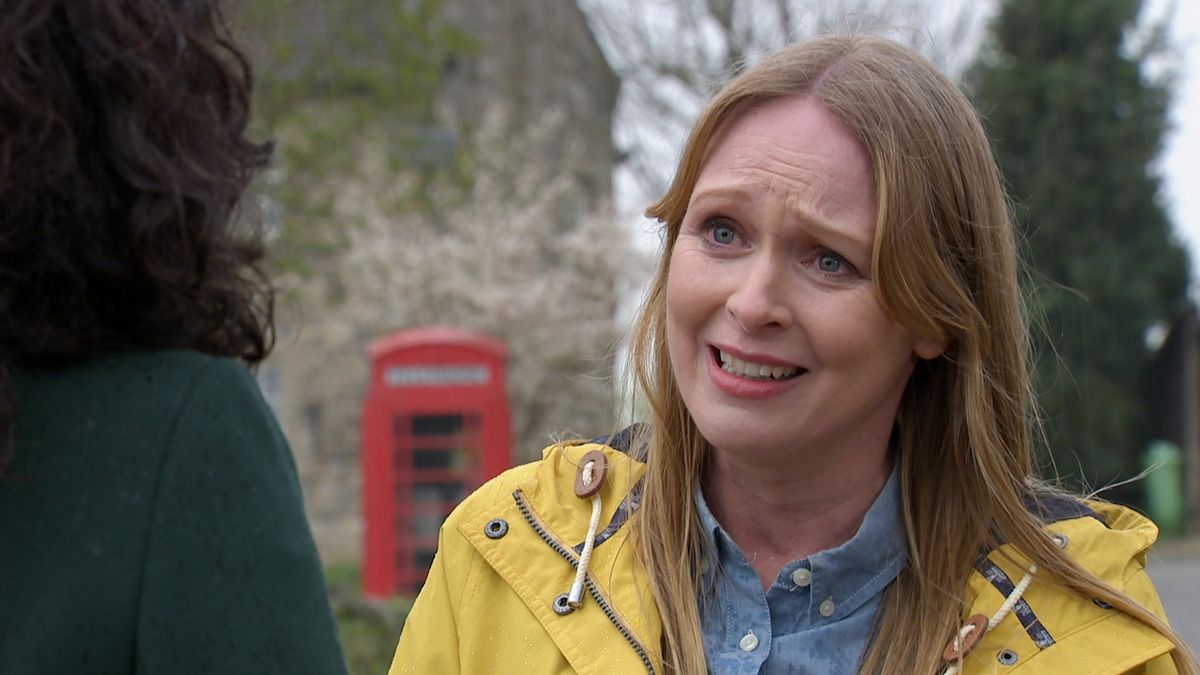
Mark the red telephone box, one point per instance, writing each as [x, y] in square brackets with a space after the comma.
[435, 426]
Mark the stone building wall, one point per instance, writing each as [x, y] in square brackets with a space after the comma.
[530, 56]
[536, 55]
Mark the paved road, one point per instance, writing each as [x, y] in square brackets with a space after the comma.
[1176, 573]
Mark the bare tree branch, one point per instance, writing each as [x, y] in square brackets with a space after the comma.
[673, 54]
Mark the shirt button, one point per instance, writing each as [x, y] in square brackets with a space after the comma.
[748, 642]
[827, 607]
[802, 577]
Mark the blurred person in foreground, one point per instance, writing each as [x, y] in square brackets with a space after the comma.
[150, 515]
[838, 475]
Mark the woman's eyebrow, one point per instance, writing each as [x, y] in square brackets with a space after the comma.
[820, 226]
[702, 196]
[825, 230]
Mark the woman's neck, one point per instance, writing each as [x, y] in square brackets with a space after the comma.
[779, 515]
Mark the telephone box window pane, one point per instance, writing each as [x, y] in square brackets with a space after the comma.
[437, 458]
[436, 425]
[423, 560]
[427, 524]
[452, 491]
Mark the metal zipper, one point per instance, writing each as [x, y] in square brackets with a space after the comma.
[591, 586]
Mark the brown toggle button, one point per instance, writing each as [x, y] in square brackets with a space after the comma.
[586, 491]
[968, 643]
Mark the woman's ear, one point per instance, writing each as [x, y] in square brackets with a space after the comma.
[930, 348]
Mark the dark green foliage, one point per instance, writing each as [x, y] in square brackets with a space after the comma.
[333, 79]
[1076, 123]
[369, 629]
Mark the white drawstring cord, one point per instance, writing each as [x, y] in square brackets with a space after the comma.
[1013, 598]
[575, 597]
[1011, 601]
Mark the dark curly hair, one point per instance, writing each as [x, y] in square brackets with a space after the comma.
[123, 155]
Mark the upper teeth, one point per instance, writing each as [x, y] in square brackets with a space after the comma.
[737, 366]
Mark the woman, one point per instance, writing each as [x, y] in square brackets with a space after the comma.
[152, 519]
[838, 476]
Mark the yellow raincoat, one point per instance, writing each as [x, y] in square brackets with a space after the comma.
[494, 601]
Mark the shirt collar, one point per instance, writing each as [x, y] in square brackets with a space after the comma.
[851, 573]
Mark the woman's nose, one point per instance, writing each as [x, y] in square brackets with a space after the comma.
[757, 301]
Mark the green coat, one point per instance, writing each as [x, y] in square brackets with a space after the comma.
[155, 525]
[488, 605]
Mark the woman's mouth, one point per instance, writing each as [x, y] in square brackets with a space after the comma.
[755, 371]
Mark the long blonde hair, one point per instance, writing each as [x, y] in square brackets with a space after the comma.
[946, 264]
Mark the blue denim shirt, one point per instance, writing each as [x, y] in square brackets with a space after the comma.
[817, 615]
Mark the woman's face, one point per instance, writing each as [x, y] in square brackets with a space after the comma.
[775, 332]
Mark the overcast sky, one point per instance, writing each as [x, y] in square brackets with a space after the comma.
[1181, 162]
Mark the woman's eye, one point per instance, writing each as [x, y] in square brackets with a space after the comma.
[723, 234]
[830, 263]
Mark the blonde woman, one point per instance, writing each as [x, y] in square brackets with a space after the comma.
[837, 477]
